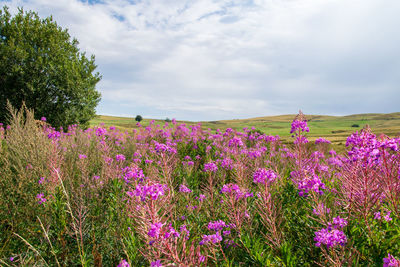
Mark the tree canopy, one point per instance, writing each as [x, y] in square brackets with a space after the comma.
[41, 65]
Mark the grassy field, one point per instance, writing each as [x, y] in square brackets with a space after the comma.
[334, 128]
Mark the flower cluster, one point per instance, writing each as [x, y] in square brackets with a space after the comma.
[330, 238]
[132, 172]
[214, 238]
[210, 167]
[155, 229]
[235, 142]
[153, 191]
[311, 184]
[391, 261]
[184, 189]
[322, 141]
[235, 190]
[262, 175]
[299, 125]
[41, 199]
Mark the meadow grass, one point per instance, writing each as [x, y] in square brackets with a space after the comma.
[180, 195]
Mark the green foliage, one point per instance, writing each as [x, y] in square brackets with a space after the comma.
[138, 118]
[42, 66]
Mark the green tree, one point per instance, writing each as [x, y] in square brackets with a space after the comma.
[41, 65]
[138, 118]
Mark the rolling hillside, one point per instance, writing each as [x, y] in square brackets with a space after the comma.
[334, 128]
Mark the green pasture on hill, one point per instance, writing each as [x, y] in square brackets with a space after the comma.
[334, 128]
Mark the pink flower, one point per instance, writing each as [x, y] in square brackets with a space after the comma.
[123, 263]
[262, 175]
[156, 263]
[184, 189]
[120, 157]
[155, 230]
[210, 167]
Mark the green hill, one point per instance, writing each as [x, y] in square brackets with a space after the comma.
[334, 128]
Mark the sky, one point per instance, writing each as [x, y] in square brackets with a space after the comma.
[232, 59]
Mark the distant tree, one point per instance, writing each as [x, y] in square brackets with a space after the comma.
[167, 119]
[42, 66]
[355, 125]
[138, 118]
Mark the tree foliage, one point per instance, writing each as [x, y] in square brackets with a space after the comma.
[138, 118]
[41, 65]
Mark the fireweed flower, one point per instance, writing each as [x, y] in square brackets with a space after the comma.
[217, 225]
[101, 131]
[229, 188]
[387, 216]
[171, 232]
[322, 141]
[41, 180]
[132, 172]
[339, 222]
[227, 163]
[41, 198]
[210, 167]
[235, 142]
[155, 230]
[235, 190]
[377, 216]
[162, 148]
[299, 125]
[184, 189]
[330, 237]
[184, 231]
[156, 263]
[391, 261]
[225, 233]
[54, 135]
[215, 238]
[309, 184]
[262, 175]
[202, 197]
[123, 263]
[152, 191]
[202, 258]
[82, 156]
[120, 157]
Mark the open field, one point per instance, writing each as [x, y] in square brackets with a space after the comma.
[334, 128]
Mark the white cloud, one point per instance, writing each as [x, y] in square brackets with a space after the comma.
[208, 60]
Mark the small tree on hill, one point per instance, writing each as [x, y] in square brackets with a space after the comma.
[42, 66]
[138, 118]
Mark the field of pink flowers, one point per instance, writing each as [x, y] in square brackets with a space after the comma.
[172, 195]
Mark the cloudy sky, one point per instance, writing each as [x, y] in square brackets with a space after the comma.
[227, 59]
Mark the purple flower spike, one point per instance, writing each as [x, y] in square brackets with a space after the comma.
[184, 189]
[155, 230]
[210, 167]
[330, 238]
[391, 261]
[299, 125]
[262, 175]
[120, 157]
[156, 263]
[123, 263]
